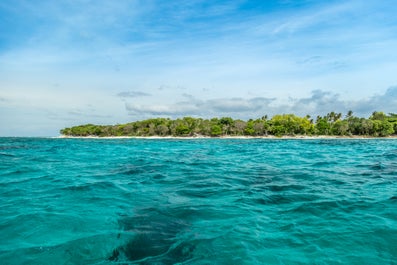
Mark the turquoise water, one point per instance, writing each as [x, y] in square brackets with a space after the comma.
[206, 201]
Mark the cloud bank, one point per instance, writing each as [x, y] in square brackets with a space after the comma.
[318, 103]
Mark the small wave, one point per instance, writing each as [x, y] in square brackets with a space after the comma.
[23, 179]
[8, 155]
[377, 166]
[93, 249]
[392, 154]
[280, 199]
[282, 188]
[95, 186]
[20, 171]
[13, 147]
[324, 163]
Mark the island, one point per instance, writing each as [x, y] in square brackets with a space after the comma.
[378, 124]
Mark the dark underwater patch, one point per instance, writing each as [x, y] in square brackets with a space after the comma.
[155, 239]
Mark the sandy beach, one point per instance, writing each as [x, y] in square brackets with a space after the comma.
[303, 137]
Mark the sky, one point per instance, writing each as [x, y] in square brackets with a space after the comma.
[65, 63]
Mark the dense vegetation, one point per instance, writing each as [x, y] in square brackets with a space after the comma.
[378, 124]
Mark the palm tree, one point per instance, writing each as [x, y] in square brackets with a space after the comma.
[349, 114]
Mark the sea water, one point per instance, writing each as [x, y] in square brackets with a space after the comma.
[204, 201]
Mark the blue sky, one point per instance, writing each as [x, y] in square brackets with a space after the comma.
[64, 63]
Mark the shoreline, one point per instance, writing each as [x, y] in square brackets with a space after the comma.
[269, 137]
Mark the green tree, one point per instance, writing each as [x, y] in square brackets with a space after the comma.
[378, 115]
[382, 128]
[216, 130]
[340, 128]
[322, 126]
[249, 128]
[182, 130]
[227, 124]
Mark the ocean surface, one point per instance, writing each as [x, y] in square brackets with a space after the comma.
[204, 201]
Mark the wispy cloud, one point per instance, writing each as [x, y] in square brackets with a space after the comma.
[133, 94]
[77, 113]
[180, 108]
[319, 15]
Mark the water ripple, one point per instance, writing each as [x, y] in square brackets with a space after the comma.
[205, 201]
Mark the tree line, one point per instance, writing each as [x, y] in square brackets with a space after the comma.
[378, 124]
